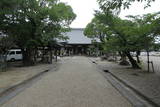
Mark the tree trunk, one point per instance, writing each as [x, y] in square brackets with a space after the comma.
[35, 55]
[132, 61]
[28, 58]
[123, 60]
[51, 55]
[42, 57]
[120, 55]
[137, 56]
[56, 52]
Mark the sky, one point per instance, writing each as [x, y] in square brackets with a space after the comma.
[84, 9]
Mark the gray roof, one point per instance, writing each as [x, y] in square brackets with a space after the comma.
[76, 36]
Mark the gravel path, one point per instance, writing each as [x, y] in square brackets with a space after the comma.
[76, 84]
[156, 62]
[145, 83]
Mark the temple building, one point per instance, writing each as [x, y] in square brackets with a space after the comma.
[77, 44]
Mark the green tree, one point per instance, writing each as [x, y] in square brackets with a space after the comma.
[145, 29]
[122, 36]
[96, 30]
[34, 23]
[126, 36]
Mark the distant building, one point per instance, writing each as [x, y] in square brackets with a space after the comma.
[77, 43]
[76, 36]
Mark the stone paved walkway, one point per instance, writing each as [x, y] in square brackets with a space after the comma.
[76, 84]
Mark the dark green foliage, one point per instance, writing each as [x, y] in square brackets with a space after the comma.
[33, 23]
[125, 36]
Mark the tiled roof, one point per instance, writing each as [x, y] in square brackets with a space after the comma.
[76, 36]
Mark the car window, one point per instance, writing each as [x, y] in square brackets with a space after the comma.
[18, 52]
[12, 53]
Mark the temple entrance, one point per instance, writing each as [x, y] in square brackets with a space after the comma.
[78, 49]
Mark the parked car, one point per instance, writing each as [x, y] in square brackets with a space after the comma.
[14, 54]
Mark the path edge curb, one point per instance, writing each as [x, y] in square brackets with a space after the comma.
[135, 90]
[129, 85]
[10, 89]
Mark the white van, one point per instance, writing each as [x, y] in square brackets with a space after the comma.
[14, 54]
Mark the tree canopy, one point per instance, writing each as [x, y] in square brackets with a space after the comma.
[132, 35]
[33, 23]
[125, 36]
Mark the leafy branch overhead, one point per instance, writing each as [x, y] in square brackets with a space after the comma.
[107, 5]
